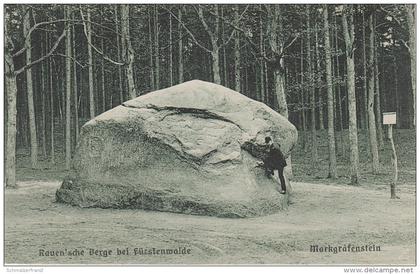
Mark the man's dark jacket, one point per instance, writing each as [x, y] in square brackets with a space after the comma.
[275, 158]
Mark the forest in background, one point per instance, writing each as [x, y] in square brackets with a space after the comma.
[332, 67]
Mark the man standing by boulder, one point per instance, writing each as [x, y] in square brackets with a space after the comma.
[274, 160]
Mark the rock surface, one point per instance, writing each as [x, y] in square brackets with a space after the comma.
[190, 148]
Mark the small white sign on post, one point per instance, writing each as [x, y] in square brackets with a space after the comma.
[389, 118]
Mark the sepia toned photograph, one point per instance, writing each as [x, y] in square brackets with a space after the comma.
[210, 134]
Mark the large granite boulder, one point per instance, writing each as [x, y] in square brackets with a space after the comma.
[191, 148]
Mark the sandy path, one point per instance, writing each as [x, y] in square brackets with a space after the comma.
[319, 215]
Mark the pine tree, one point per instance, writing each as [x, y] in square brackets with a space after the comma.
[332, 171]
[348, 31]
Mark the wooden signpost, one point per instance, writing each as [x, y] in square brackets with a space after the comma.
[390, 118]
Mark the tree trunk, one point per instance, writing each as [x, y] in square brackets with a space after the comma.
[364, 104]
[303, 96]
[397, 100]
[151, 64]
[378, 99]
[279, 86]
[59, 85]
[75, 91]
[180, 49]
[333, 77]
[83, 96]
[103, 68]
[237, 53]
[68, 88]
[216, 50]
[157, 64]
[52, 149]
[216, 65]
[275, 26]
[332, 171]
[214, 38]
[245, 88]
[338, 95]
[225, 74]
[257, 82]
[43, 108]
[267, 96]
[394, 163]
[11, 95]
[30, 92]
[411, 22]
[262, 79]
[129, 52]
[386, 98]
[371, 90]
[120, 78]
[22, 122]
[348, 29]
[171, 72]
[276, 44]
[314, 148]
[216, 47]
[318, 81]
[90, 62]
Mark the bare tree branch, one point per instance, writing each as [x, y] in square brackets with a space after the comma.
[232, 34]
[54, 47]
[291, 43]
[37, 26]
[230, 24]
[28, 35]
[405, 44]
[71, 58]
[204, 23]
[226, 20]
[188, 31]
[243, 13]
[391, 15]
[104, 56]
